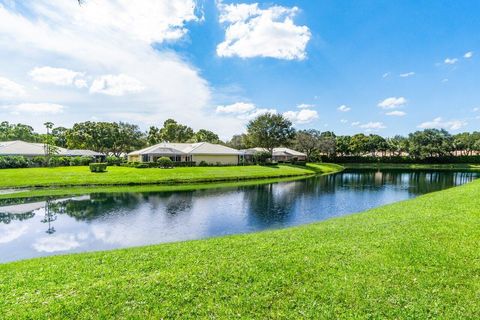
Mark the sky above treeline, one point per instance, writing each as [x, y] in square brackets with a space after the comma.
[386, 67]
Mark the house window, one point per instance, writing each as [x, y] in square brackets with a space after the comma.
[145, 158]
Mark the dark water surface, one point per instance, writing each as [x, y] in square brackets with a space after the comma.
[102, 221]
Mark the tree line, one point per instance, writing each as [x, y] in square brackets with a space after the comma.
[267, 131]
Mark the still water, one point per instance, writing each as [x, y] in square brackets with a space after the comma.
[101, 221]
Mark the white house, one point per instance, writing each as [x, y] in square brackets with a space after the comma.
[279, 154]
[29, 150]
[187, 152]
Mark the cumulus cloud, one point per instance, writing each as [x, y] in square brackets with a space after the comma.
[468, 55]
[407, 74]
[344, 108]
[236, 108]
[116, 85]
[145, 20]
[373, 126]
[10, 89]
[115, 37]
[305, 106]
[301, 117]
[344, 121]
[392, 102]
[396, 113]
[255, 32]
[355, 123]
[58, 76]
[450, 60]
[440, 123]
[34, 108]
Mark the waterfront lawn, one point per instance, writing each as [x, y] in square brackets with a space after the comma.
[75, 176]
[415, 259]
[414, 166]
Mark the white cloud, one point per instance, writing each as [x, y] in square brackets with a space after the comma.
[476, 109]
[468, 55]
[57, 76]
[373, 126]
[344, 108]
[34, 108]
[254, 32]
[116, 85]
[236, 108]
[355, 123]
[392, 102]
[444, 80]
[144, 20]
[407, 74]
[439, 123]
[80, 83]
[305, 106]
[301, 117]
[396, 113]
[450, 60]
[386, 75]
[10, 89]
[61, 242]
[344, 121]
[256, 113]
[44, 33]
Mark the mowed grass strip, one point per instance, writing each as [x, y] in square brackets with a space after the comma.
[414, 166]
[75, 176]
[415, 259]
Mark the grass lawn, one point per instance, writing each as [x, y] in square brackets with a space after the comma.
[408, 166]
[415, 259]
[81, 176]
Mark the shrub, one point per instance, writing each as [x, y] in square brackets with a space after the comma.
[98, 167]
[262, 157]
[165, 162]
[142, 166]
[13, 162]
[39, 161]
[203, 164]
[85, 161]
[114, 161]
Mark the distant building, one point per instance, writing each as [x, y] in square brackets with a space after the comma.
[188, 152]
[279, 154]
[30, 150]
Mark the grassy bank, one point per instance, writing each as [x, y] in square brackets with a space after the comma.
[81, 176]
[415, 259]
[408, 166]
[15, 194]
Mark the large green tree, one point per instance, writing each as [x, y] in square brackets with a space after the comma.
[270, 131]
[10, 132]
[430, 143]
[106, 137]
[239, 141]
[172, 131]
[203, 135]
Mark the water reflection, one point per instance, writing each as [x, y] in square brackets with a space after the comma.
[103, 221]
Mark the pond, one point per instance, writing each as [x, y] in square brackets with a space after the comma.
[102, 221]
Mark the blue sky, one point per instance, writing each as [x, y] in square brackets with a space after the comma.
[389, 67]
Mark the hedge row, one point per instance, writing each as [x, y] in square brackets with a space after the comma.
[403, 159]
[12, 162]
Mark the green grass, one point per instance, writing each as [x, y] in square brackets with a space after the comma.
[81, 176]
[415, 259]
[407, 166]
[73, 191]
